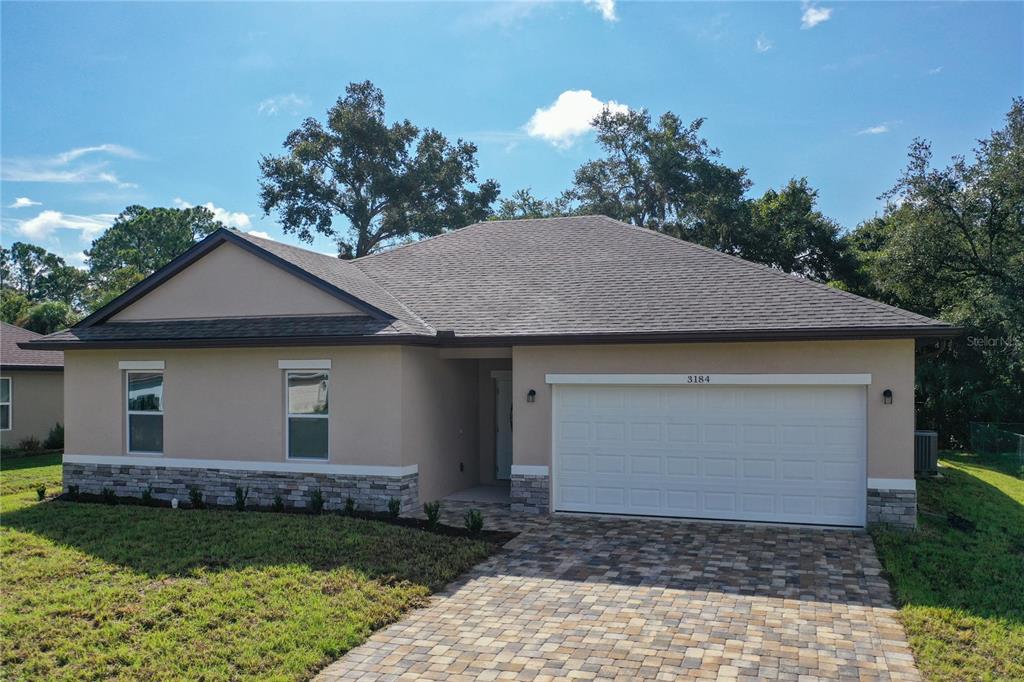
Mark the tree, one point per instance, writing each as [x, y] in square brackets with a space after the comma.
[47, 317]
[662, 176]
[787, 232]
[951, 245]
[26, 267]
[145, 239]
[13, 305]
[522, 204]
[388, 182]
[65, 283]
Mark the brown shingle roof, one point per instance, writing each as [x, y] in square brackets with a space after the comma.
[11, 356]
[580, 278]
[593, 275]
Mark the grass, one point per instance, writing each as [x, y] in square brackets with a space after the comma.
[125, 592]
[959, 579]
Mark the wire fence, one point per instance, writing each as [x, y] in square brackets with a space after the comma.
[1004, 442]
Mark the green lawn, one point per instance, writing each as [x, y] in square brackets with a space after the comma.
[123, 592]
[960, 584]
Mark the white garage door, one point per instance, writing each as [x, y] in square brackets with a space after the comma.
[792, 454]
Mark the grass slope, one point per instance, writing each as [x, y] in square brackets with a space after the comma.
[960, 583]
[119, 592]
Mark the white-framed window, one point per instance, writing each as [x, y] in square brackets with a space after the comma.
[5, 403]
[144, 392]
[306, 414]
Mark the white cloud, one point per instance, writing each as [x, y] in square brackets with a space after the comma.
[762, 44]
[289, 104]
[875, 130]
[813, 16]
[24, 202]
[261, 235]
[62, 168]
[229, 218]
[44, 224]
[935, 72]
[77, 258]
[605, 7]
[569, 117]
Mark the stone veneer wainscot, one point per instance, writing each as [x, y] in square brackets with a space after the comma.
[370, 492]
[892, 507]
[530, 493]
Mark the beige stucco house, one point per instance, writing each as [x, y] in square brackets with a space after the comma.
[589, 365]
[31, 388]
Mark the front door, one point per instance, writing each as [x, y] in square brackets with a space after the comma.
[503, 425]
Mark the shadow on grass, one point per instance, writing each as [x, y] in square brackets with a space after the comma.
[968, 553]
[177, 543]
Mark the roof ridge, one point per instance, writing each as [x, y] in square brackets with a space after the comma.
[775, 271]
[423, 241]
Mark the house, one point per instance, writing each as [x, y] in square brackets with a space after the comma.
[594, 366]
[31, 388]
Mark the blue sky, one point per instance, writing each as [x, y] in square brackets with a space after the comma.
[105, 105]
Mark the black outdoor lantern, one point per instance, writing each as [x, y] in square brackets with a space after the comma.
[887, 396]
[531, 396]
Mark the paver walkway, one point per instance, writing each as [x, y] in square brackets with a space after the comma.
[627, 599]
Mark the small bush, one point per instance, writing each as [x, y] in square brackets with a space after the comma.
[278, 504]
[316, 501]
[73, 492]
[350, 506]
[240, 497]
[41, 492]
[55, 439]
[474, 522]
[394, 507]
[108, 496]
[147, 496]
[195, 496]
[433, 512]
[30, 444]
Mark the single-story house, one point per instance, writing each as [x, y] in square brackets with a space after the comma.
[595, 366]
[31, 388]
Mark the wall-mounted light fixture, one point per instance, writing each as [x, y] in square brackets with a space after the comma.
[887, 396]
[531, 396]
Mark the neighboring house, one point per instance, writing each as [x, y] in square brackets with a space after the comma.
[598, 366]
[31, 388]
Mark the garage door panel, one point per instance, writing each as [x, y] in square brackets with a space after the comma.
[765, 453]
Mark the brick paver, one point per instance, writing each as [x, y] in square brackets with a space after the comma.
[625, 599]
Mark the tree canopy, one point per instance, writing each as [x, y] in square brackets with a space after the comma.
[387, 182]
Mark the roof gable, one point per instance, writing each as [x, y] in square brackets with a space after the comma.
[251, 245]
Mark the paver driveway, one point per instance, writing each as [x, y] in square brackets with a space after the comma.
[626, 599]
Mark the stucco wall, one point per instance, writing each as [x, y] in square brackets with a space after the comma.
[439, 421]
[38, 404]
[229, 403]
[231, 282]
[891, 364]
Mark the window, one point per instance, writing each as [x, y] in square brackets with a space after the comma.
[5, 404]
[307, 414]
[145, 412]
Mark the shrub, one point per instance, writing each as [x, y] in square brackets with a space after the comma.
[278, 504]
[108, 496]
[147, 496]
[350, 506]
[73, 492]
[474, 522]
[316, 501]
[394, 507]
[30, 444]
[41, 492]
[195, 496]
[55, 439]
[433, 512]
[240, 497]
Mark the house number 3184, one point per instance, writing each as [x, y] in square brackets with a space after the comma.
[698, 378]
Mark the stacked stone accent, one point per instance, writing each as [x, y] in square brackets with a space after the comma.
[531, 494]
[892, 508]
[371, 493]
